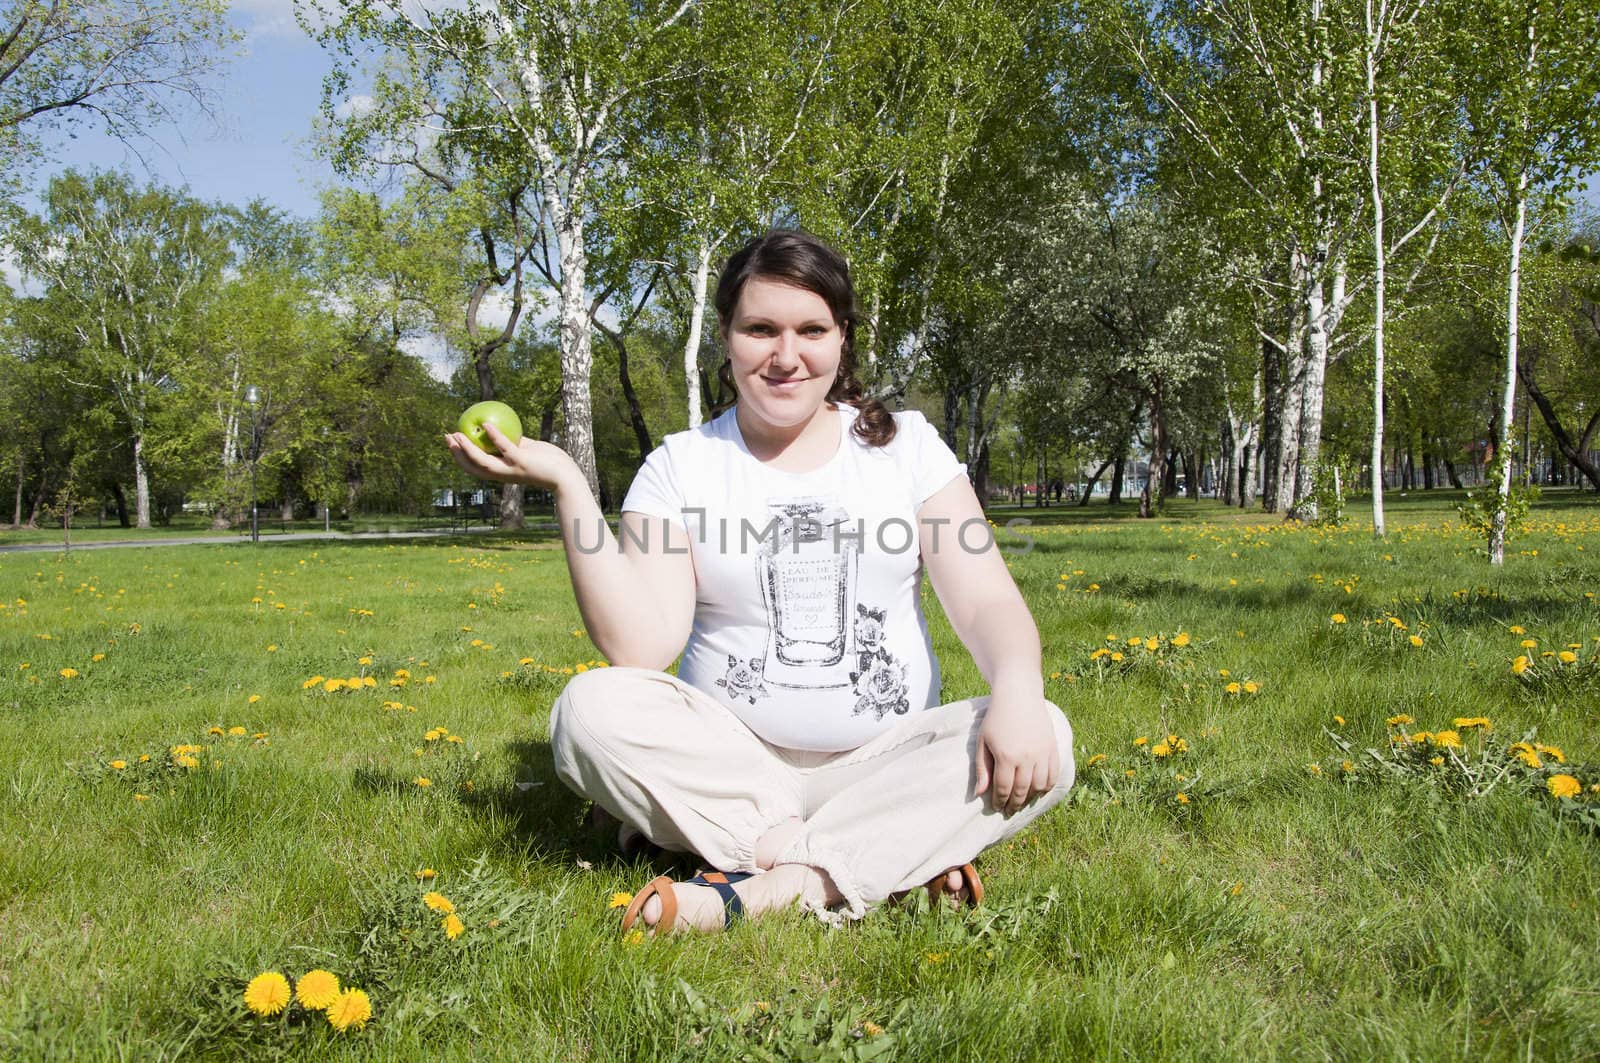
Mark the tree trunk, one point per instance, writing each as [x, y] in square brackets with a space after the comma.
[641, 431]
[1575, 451]
[141, 482]
[1088, 488]
[286, 508]
[1497, 525]
[697, 310]
[1380, 262]
[1192, 464]
[1311, 396]
[1272, 366]
[1230, 462]
[22, 466]
[1114, 496]
[577, 355]
[1155, 483]
[1450, 471]
[980, 479]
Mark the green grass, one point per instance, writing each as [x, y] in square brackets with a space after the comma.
[1279, 912]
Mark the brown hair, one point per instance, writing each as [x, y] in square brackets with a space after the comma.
[794, 257]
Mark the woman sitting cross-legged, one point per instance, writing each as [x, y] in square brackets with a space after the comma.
[801, 750]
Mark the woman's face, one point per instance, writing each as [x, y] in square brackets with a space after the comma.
[785, 348]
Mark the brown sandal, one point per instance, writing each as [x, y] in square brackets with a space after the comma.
[661, 886]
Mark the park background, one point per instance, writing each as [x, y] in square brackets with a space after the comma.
[1308, 296]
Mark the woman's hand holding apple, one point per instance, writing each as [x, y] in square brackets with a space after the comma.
[532, 462]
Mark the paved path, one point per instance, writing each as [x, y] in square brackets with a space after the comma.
[225, 540]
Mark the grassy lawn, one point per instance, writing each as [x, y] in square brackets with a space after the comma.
[1286, 880]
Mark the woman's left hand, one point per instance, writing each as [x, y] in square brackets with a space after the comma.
[1017, 757]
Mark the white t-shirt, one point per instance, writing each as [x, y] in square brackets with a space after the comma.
[808, 615]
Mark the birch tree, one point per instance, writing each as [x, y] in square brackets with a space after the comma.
[1533, 118]
[546, 84]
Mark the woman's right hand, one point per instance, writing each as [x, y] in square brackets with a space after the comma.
[531, 462]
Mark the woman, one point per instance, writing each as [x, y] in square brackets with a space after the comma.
[801, 749]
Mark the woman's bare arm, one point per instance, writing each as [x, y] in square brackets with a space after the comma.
[637, 600]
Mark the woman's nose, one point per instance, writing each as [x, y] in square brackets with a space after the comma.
[785, 349]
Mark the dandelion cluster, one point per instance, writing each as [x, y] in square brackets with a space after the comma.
[316, 993]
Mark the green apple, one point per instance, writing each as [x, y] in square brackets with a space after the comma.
[498, 414]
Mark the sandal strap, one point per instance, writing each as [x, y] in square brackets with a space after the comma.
[722, 882]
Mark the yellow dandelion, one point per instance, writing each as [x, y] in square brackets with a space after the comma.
[1182, 798]
[1436, 761]
[1563, 786]
[141, 797]
[1116, 656]
[1566, 657]
[1399, 720]
[317, 989]
[1468, 723]
[423, 781]
[1142, 740]
[1339, 720]
[118, 765]
[333, 685]
[1553, 752]
[187, 761]
[267, 993]
[1251, 686]
[97, 658]
[1415, 640]
[236, 730]
[1518, 629]
[69, 673]
[1529, 644]
[216, 731]
[363, 660]
[1181, 639]
[350, 1011]
[453, 926]
[438, 902]
[634, 937]
[1519, 665]
[1315, 769]
[620, 900]
[252, 699]
[1151, 643]
[315, 680]
[1096, 759]
[1223, 672]
[1233, 688]
[1447, 740]
[1161, 749]
[1340, 618]
[426, 873]
[1530, 758]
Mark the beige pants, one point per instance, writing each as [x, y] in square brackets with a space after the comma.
[677, 765]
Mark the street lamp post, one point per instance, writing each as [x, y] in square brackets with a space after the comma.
[252, 395]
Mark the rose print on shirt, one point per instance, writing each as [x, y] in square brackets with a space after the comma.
[881, 687]
[743, 679]
[869, 630]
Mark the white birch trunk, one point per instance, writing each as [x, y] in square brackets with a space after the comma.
[1294, 384]
[1316, 375]
[691, 347]
[577, 355]
[1379, 263]
[1252, 454]
[1497, 526]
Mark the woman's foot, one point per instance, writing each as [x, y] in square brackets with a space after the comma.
[701, 908]
[953, 884]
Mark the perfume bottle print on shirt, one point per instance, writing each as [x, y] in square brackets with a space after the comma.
[807, 569]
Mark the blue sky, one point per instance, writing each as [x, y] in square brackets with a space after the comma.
[258, 144]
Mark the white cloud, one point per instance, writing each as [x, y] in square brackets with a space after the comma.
[355, 106]
[11, 276]
[269, 18]
[435, 353]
